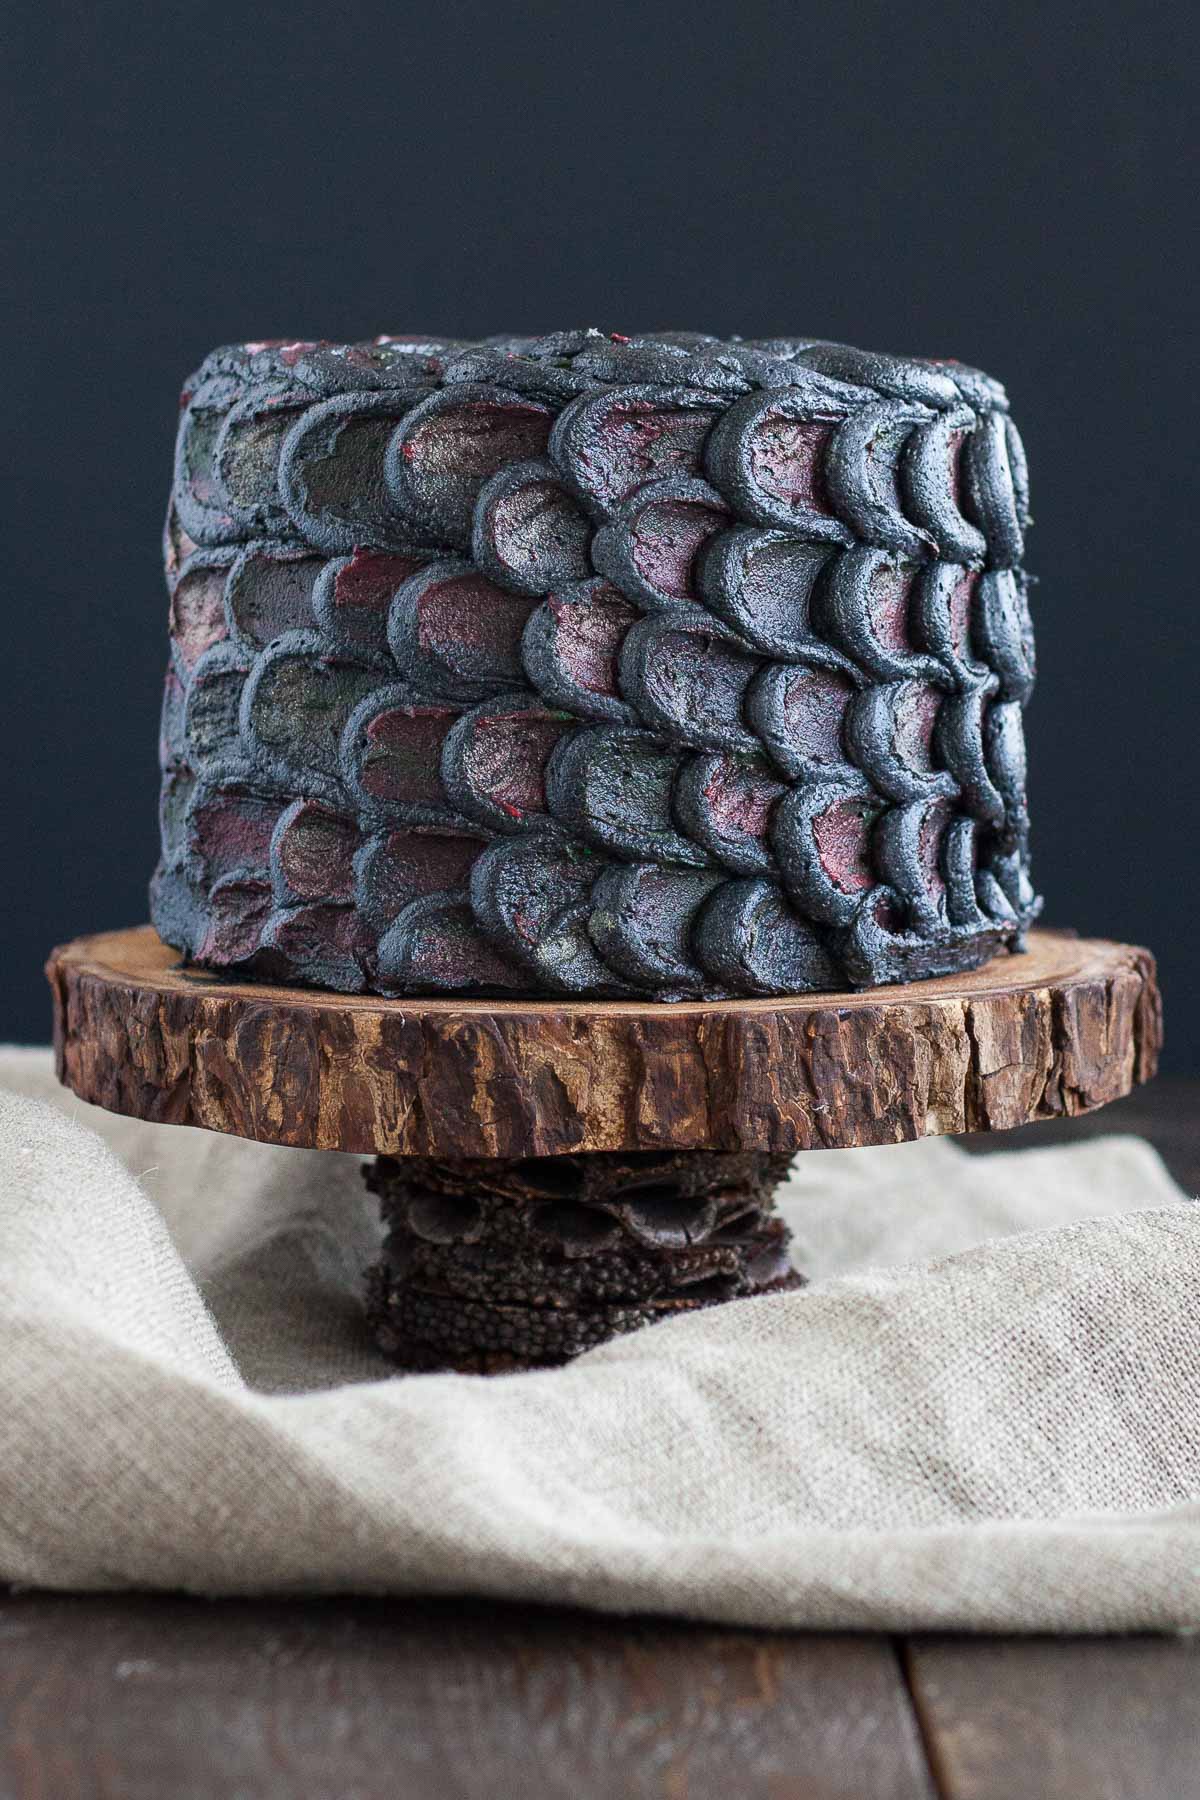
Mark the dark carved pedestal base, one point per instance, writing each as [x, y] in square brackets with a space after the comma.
[491, 1265]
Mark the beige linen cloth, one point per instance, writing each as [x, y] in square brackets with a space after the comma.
[984, 1413]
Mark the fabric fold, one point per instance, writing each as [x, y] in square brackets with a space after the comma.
[984, 1413]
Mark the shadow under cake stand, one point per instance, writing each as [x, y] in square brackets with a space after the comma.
[554, 1172]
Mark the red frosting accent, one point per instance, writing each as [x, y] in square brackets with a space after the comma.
[843, 838]
[424, 862]
[468, 611]
[741, 799]
[316, 853]
[891, 593]
[640, 441]
[370, 579]
[786, 457]
[509, 752]
[449, 950]
[319, 934]
[198, 612]
[962, 601]
[477, 438]
[403, 757]
[590, 635]
[238, 911]
[233, 831]
[815, 710]
[666, 539]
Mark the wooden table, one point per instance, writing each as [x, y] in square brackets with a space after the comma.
[136, 1698]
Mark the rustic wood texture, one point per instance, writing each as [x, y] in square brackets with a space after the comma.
[143, 1699]
[1066, 1028]
[1045, 1719]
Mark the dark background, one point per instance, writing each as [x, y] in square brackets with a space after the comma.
[1011, 185]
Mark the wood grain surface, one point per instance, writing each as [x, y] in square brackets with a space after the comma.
[1118, 1719]
[157, 1699]
[127, 1697]
[1065, 1028]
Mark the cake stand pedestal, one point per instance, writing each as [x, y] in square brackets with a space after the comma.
[554, 1172]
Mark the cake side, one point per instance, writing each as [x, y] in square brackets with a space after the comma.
[594, 665]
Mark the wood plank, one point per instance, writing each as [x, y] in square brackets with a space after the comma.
[143, 1698]
[1059, 1718]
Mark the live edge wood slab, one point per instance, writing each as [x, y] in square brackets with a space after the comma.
[513, 1239]
[1067, 1027]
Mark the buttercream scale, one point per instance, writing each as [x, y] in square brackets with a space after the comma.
[594, 665]
[650, 668]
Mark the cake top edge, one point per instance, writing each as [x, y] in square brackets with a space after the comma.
[562, 364]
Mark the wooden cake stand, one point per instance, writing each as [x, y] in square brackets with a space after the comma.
[554, 1172]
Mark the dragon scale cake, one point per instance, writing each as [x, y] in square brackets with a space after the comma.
[594, 665]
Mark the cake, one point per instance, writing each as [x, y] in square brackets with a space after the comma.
[650, 666]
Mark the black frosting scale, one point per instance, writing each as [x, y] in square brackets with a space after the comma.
[595, 665]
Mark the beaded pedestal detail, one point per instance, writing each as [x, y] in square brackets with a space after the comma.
[493, 1264]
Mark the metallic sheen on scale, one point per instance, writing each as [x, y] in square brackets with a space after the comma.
[594, 665]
